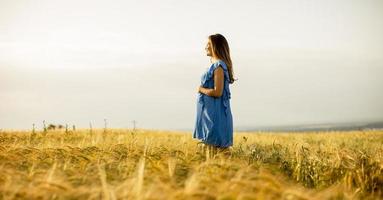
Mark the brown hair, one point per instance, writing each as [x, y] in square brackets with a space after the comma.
[221, 49]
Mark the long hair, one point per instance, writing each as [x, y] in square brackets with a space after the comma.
[221, 49]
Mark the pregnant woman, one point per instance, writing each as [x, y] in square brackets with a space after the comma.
[214, 122]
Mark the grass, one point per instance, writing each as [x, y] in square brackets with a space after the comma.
[153, 164]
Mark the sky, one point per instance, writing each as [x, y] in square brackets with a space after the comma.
[80, 62]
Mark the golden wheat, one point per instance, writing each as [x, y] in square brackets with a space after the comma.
[153, 164]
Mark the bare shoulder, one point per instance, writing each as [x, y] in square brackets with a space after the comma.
[218, 70]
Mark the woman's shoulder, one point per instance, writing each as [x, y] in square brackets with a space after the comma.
[214, 66]
[217, 64]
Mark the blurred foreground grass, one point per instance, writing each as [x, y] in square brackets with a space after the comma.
[153, 164]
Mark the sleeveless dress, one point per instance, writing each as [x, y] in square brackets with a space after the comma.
[214, 121]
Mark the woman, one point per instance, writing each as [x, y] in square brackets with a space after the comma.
[214, 122]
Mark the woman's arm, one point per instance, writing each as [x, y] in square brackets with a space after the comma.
[218, 84]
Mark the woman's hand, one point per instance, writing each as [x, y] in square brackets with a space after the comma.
[199, 88]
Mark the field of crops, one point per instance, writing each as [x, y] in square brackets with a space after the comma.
[153, 164]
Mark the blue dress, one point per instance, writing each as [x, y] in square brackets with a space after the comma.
[214, 121]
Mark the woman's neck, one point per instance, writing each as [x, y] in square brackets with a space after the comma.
[214, 59]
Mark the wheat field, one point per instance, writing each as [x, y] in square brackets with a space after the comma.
[155, 164]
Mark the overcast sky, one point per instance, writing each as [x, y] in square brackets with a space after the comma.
[297, 62]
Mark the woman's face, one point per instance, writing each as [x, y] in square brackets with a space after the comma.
[208, 48]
